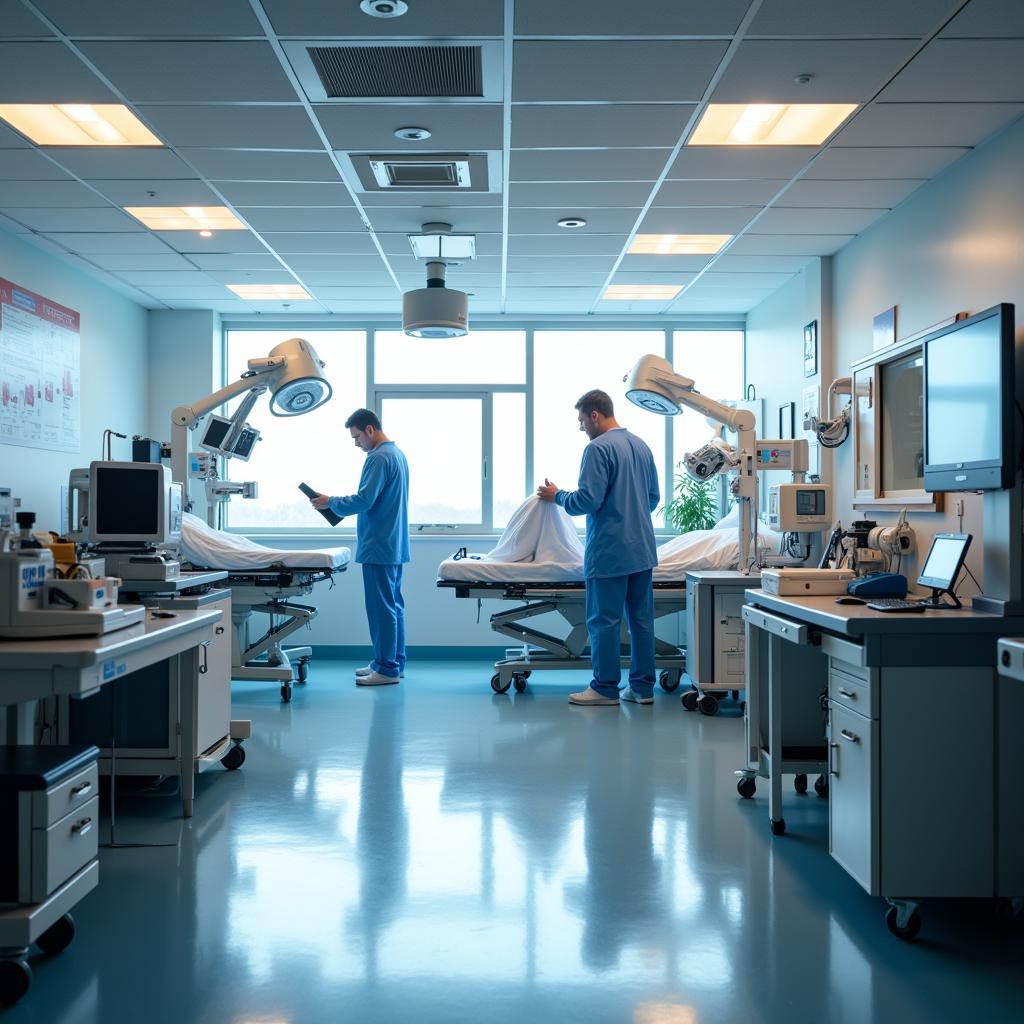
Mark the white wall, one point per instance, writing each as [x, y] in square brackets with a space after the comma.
[113, 375]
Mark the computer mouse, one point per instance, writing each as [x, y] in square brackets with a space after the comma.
[849, 600]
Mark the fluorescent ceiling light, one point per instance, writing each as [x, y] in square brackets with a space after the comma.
[269, 291]
[186, 218]
[675, 245]
[78, 124]
[443, 247]
[646, 292]
[769, 124]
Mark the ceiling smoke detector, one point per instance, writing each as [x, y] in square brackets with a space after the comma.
[572, 222]
[384, 8]
[412, 134]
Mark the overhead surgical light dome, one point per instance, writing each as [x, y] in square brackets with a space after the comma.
[653, 384]
[296, 380]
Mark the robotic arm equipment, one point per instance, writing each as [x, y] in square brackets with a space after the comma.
[832, 432]
[710, 460]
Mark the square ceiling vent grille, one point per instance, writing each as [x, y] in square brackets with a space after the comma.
[399, 71]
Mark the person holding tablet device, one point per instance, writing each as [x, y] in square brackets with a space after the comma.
[381, 505]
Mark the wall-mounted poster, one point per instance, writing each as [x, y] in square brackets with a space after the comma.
[40, 371]
[883, 329]
[811, 349]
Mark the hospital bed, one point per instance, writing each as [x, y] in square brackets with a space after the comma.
[264, 580]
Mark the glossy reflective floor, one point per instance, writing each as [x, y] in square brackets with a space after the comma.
[434, 852]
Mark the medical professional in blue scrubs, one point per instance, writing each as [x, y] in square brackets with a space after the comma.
[618, 491]
[382, 529]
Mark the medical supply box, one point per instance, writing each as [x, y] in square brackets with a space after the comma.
[805, 582]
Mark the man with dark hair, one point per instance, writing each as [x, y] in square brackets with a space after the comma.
[618, 491]
[382, 527]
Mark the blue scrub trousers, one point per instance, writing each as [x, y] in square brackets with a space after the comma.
[606, 597]
[385, 614]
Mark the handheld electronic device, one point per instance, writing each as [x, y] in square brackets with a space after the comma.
[330, 516]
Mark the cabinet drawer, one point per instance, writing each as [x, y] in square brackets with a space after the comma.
[63, 848]
[849, 657]
[857, 694]
[54, 803]
[853, 832]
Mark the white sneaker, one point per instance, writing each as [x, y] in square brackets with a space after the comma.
[591, 697]
[375, 679]
[367, 670]
[631, 695]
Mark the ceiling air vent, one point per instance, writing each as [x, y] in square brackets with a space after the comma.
[422, 172]
[445, 173]
[399, 71]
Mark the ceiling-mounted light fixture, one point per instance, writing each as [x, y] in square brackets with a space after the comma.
[437, 242]
[412, 134]
[437, 311]
[78, 124]
[572, 222]
[769, 124]
[384, 8]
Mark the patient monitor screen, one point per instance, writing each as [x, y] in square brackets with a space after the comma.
[943, 562]
[216, 431]
[127, 502]
[810, 502]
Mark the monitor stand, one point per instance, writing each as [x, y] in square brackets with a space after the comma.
[935, 601]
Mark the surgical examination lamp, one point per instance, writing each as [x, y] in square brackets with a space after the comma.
[653, 385]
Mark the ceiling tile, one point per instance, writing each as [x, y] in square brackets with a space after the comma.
[731, 262]
[337, 242]
[845, 71]
[47, 73]
[140, 261]
[166, 278]
[928, 124]
[93, 219]
[187, 292]
[599, 221]
[275, 193]
[323, 18]
[28, 165]
[301, 218]
[781, 220]
[577, 195]
[561, 264]
[567, 245]
[176, 192]
[19, 22]
[755, 282]
[865, 18]
[612, 17]
[663, 264]
[12, 226]
[217, 305]
[48, 193]
[706, 162]
[352, 278]
[720, 192]
[235, 261]
[988, 18]
[606, 70]
[395, 201]
[180, 20]
[293, 305]
[191, 71]
[867, 193]
[129, 162]
[355, 294]
[110, 242]
[569, 278]
[233, 127]
[652, 277]
[10, 139]
[278, 275]
[302, 263]
[405, 264]
[620, 125]
[789, 245]
[455, 127]
[719, 220]
[261, 165]
[587, 164]
[962, 71]
[219, 241]
[883, 162]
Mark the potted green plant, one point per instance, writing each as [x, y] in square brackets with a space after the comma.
[694, 505]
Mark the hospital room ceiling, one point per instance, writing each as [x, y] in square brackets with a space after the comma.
[577, 109]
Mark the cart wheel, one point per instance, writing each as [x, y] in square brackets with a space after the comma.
[909, 930]
[286, 692]
[234, 758]
[690, 699]
[496, 684]
[519, 682]
[800, 783]
[527, 673]
[708, 705]
[58, 936]
[821, 786]
[779, 827]
[746, 788]
[302, 672]
[15, 981]
[669, 679]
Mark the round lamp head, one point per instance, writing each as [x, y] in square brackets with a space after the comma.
[435, 312]
[645, 385]
[298, 386]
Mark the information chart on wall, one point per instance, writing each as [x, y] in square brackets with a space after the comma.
[40, 376]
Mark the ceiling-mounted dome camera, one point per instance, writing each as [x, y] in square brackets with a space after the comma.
[384, 8]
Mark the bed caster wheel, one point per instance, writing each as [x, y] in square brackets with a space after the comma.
[286, 692]
[526, 674]
[58, 936]
[800, 784]
[302, 671]
[746, 788]
[708, 705]
[496, 685]
[821, 786]
[669, 680]
[234, 758]
[15, 981]
[690, 699]
[519, 682]
[908, 929]
[779, 827]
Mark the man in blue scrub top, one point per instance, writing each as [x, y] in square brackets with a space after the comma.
[618, 491]
[382, 528]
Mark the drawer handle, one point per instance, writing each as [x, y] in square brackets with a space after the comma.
[81, 828]
[847, 735]
[205, 667]
[83, 788]
[848, 694]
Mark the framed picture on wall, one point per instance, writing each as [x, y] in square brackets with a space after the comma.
[787, 417]
[811, 349]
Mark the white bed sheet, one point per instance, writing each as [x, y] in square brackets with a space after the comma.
[204, 546]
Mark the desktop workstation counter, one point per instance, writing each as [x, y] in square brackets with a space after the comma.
[903, 713]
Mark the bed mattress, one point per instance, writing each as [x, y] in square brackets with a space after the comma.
[484, 570]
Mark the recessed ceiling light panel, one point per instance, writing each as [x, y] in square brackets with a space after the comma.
[78, 124]
[270, 292]
[676, 245]
[769, 124]
[572, 222]
[186, 218]
[384, 8]
[412, 134]
[642, 292]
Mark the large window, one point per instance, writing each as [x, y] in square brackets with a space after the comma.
[482, 419]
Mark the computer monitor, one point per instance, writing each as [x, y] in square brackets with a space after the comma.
[969, 394]
[133, 503]
[943, 564]
[217, 432]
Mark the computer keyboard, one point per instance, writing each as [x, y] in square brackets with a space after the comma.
[896, 604]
